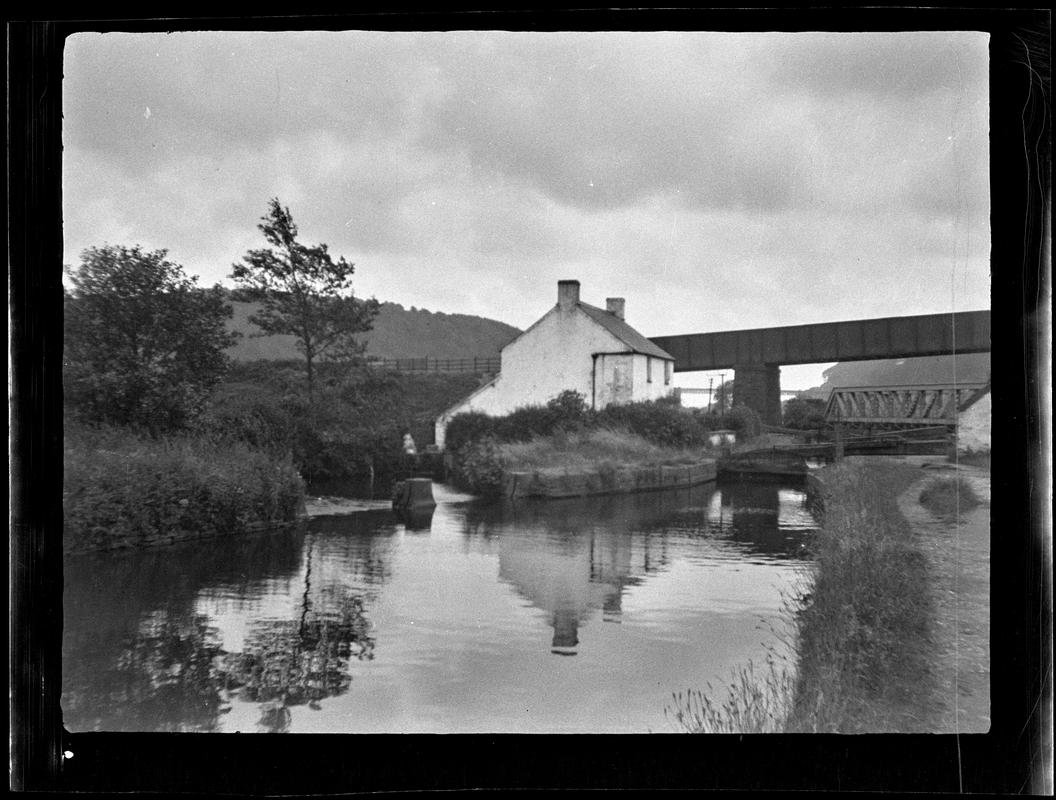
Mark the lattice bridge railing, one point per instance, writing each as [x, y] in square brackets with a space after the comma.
[936, 404]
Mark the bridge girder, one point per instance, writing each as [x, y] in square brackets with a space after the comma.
[854, 340]
[935, 404]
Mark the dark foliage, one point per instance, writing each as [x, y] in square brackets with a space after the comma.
[144, 346]
[804, 414]
[303, 293]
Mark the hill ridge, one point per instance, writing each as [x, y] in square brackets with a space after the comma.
[398, 333]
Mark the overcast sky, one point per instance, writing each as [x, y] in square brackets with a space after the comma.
[714, 180]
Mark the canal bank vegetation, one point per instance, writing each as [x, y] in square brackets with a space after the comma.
[566, 433]
[122, 489]
[165, 437]
[863, 629]
[861, 617]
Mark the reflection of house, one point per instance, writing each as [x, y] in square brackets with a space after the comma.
[571, 575]
[577, 347]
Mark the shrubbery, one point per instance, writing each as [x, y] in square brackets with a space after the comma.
[353, 426]
[658, 422]
[744, 421]
[122, 490]
[804, 414]
[663, 422]
[475, 438]
[480, 467]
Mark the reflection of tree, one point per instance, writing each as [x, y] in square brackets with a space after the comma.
[164, 678]
[142, 657]
[287, 663]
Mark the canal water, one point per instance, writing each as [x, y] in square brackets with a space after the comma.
[560, 616]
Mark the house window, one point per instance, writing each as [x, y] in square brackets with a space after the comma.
[667, 373]
[648, 369]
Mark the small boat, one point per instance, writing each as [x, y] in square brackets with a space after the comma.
[762, 463]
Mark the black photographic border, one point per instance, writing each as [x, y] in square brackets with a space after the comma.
[1014, 757]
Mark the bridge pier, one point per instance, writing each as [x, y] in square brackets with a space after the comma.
[758, 386]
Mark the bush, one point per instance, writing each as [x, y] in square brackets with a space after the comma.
[480, 467]
[354, 425]
[248, 415]
[804, 414]
[744, 421]
[467, 428]
[947, 497]
[658, 422]
[569, 408]
[122, 490]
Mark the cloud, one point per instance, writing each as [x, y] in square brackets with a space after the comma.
[906, 64]
[715, 180]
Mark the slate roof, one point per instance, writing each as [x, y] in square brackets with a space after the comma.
[624, 332]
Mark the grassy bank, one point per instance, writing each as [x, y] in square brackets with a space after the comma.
[861, 616]
[863, 630]
[121, 490]
[566, 433]
[591, 449]
[481, 465]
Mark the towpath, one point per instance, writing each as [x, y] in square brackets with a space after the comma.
[958, 553]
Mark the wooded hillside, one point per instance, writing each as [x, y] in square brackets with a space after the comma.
[398, 333]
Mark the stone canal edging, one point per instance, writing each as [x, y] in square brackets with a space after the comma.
[563, 482]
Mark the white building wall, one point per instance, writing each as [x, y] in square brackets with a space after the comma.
[553, 355]
[614, 379]
[557, 354]
[645, 389]
[973, 427]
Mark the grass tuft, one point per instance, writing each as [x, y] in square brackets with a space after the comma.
[947, 497]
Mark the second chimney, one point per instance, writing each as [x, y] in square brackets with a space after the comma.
[567, 294]
[614, 305]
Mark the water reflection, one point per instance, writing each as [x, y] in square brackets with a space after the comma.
[139, 651]
[764, 518]
[290, 662]
[370, 617]
[572, 557]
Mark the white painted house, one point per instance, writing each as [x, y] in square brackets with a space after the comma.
[574, 346]
[973, 422]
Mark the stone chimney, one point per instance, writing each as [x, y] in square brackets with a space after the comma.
[615, 305]
[567, 294]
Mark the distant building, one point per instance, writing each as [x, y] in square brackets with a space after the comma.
[578, 347]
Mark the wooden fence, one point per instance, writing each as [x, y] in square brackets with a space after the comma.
[439, 364]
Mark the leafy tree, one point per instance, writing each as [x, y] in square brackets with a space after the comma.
[144, 346]
[304, 292]
[804, 414]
